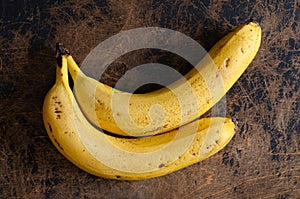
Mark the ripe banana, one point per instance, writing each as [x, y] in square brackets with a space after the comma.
[178, 104]
[126, 158]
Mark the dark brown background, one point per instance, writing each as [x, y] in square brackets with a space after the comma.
[263, 159]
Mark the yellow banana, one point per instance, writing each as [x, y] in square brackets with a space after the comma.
[183, 101]
[126, 158]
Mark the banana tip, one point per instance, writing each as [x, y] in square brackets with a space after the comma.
[253, 22]
[61, 50]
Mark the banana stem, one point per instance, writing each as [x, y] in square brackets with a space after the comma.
[61, 68]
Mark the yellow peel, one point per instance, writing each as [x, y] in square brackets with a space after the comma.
[126, 158]
[183, 101]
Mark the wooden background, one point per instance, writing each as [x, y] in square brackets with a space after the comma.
[263, 159]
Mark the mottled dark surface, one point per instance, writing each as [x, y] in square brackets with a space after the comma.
[263, 159]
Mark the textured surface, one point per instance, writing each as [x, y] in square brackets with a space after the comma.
[263, 159]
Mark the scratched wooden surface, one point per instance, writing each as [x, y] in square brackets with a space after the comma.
[263, 159]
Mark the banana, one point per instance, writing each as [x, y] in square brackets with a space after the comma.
[178, 104]
[123, 158]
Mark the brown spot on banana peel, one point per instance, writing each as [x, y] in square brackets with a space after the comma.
[100, 103]
[57, 143]
[226, 63]
[50, 128]
[161, 165]
[53, 138]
